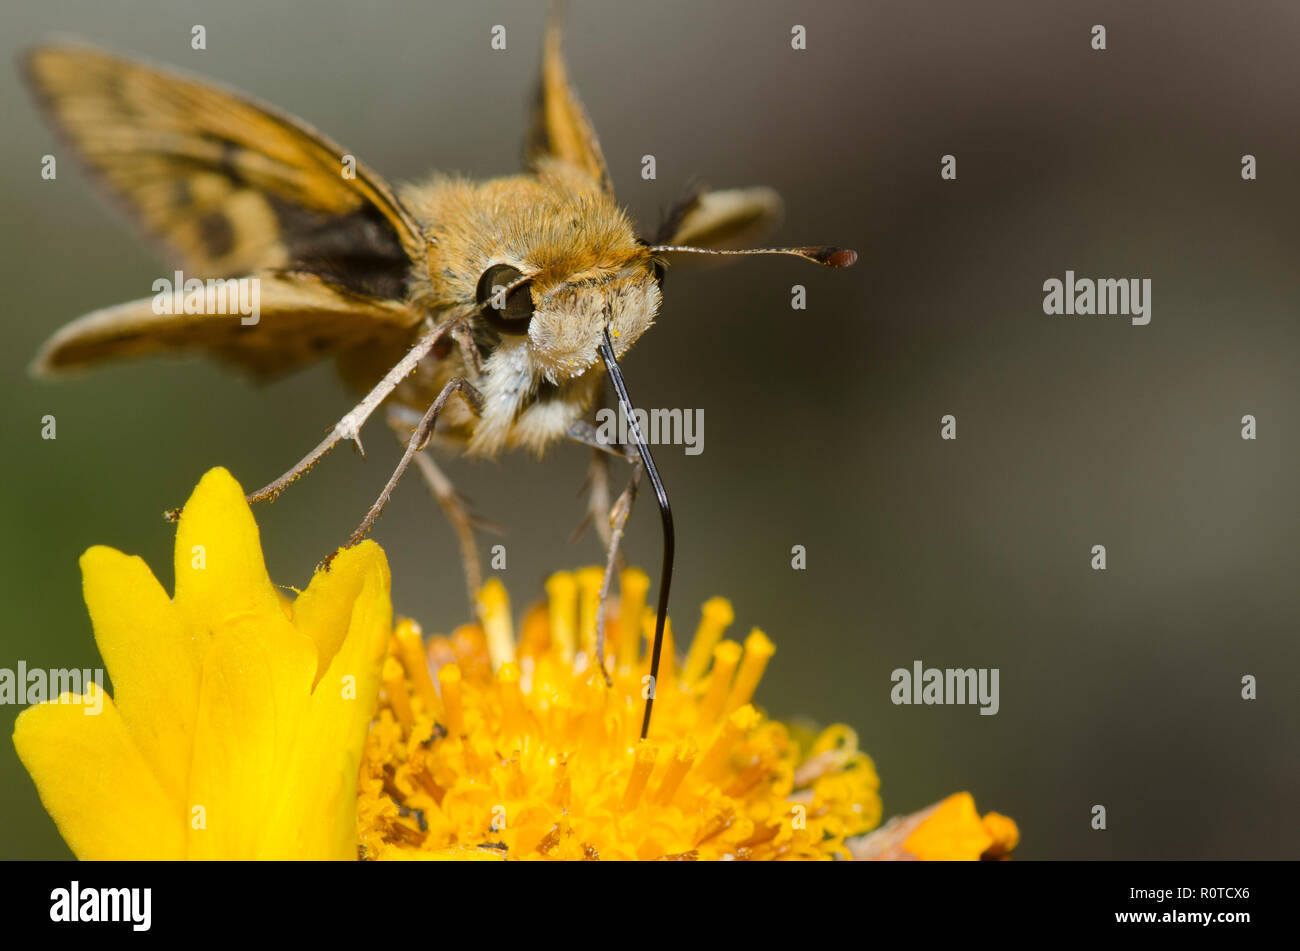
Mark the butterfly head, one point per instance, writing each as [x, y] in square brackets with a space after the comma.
[559, 314]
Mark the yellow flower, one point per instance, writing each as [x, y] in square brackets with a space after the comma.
[522, 750]
[238, 716]
[244, 725]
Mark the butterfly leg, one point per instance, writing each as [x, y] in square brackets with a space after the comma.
[596, 488]
[464, 522]
[415, 445]
[597, 483]
[349, 427]
[610, 522]
[618, 517]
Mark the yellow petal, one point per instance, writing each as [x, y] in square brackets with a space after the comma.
[220, 573]
[255, 691]
[95, 783]
[324, 611]
[153, 658]
[952, 832]
[316, 813]
[1005, 833]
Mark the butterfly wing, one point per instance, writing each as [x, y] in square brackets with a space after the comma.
[227, 186]
[730, 218]
[297, 319]
[560, 128]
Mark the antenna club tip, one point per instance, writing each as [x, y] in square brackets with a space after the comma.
[834, 257]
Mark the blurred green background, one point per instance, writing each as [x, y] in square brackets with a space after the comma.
[821, 426]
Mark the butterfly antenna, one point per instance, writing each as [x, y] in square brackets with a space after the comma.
[665, 515]
[825, 256]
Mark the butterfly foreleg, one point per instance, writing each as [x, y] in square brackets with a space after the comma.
[419, 439]
[349, 427]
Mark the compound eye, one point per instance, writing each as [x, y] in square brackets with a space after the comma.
[659, 273]
[505, 299]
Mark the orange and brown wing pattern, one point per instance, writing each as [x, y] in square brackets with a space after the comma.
[299, 319]
[224, 184]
